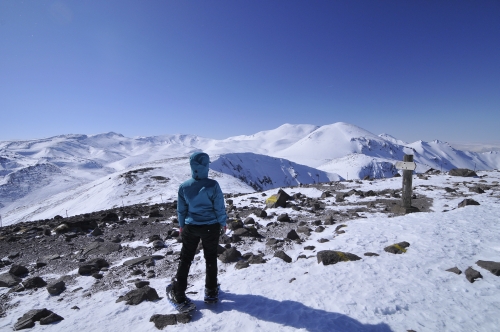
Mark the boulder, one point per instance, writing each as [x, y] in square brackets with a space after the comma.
[28, 319]
[56, 288]
[9, 280]
[230, 255]
[467, 201]
[138, 295]
[462, 172]
[493, 267]
[292, 235]
[278, 200]
[241, 265]
[283, 217]
[455, 270]
[235, 224]
[249, 221]
[35, 282]
[281, 254]
[477, 190]
[161, 321]
[18, 270]
[52, 318]
[472, 274]
[397, 248]
[328, 257]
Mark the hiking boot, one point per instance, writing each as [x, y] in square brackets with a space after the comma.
[174, 296]
[212, 295]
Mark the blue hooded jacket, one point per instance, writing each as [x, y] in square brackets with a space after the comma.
[200, 200]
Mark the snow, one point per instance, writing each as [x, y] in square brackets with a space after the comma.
[384, 293]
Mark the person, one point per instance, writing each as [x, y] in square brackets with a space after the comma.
[202, 215]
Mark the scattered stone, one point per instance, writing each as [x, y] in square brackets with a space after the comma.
[75, 308]
[136, 261]
[249, 221]
[28, 319]
[304, 229]
[291, 280]
[256, 259]
[101, 248]
[241, 265]
[52, 318]
[230, 255]
[309, 247]
[35, 282]
[161, 321]
[138, 295]
[472, 274]
[329, 221]
[319, 229]
[158, 244]
[97, 276]
[467, 201]
[462, 172]
[13, 255]
[493, 267]
[455, 270]
[141, 283]
[9, 280]
[328, 257]
[369, 254]
[283, 218]
[56, 288]
[110, 217]
[292, 235]
[281, 254]
[397, 248]
[477, 190]
[322, 240]
[18, 270]
[261, 213]
[96, 232]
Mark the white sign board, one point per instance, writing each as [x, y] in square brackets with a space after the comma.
[406, 165]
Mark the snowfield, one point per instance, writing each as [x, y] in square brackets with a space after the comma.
[389, 292]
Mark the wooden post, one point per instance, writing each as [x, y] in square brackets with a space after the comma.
[407, 179]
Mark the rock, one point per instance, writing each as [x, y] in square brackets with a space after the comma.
[56, 288]
[261, 213]
[477, 190]
[281, 254]
[96, 232]
[472, 274]
[183, 318]
[450, 190]
[292, 235]
[242, 265]
[101, 248]
[462, 172]
[467, 201]
[455, 270]
[304, 229]
[139, 260]
[328, 257]
[9, 280]
[493, 267]
[256, 259]
[397, 248]
[28, 319]
[309, 247]
[323, 240]
[249, 221]
[319, 229]
[283, 217]
[35, 282]
[161, 321]
[278, 200]
[97, 275]
[52, 318]
[141, 283]
[235, 224]
[153, 238]
[13, 255]
[369, 254]
[138, 295]
[241, 232]
[62, 228]
[18, 270]
[326, 194]
[87, 269]
[329, 220]
[230, 255]
[273, 241]
[110, 217]
[158, 244]
[155, 214]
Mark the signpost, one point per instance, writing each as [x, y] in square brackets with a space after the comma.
[408, 166]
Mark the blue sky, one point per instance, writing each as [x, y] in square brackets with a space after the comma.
[413, 69]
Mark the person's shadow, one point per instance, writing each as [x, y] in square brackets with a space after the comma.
[289, 313]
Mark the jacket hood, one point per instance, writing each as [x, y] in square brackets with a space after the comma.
[199, 162]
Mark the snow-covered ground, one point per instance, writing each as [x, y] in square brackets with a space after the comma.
[410, 291]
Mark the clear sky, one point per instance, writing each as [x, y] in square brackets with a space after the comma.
[413, 69]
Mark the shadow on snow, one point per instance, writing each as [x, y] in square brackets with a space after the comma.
[290, 313]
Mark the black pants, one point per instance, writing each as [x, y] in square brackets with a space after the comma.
[191, 235]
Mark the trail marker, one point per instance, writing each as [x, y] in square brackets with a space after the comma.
[408, 166]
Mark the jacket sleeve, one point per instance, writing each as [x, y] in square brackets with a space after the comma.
[219, 206]
[182, 207]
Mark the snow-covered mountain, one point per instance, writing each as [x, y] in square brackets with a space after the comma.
[38, 177]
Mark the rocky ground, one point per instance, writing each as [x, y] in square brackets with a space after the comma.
[121, 246]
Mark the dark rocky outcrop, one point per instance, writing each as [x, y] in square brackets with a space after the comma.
[472, 274]
[28, 319]
[136, 296]
[397, 248]
[462, 172]
[467, 201]
[493, 267]
[328, 257]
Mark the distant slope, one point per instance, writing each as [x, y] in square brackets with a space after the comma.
[263, 172]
